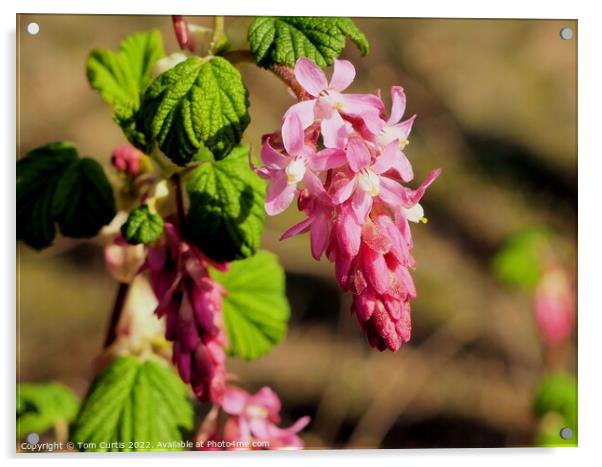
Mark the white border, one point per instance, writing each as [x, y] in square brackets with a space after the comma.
[590, 228]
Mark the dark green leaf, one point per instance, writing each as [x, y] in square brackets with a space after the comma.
[255, 308]
[43, 406]
[37, 177]
[226, 213]
[142, 226]
[284, 39]
[137, 405]
[198, 102]
[83, 201]
[122, 77]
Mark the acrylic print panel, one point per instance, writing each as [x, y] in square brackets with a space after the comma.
[272, 233]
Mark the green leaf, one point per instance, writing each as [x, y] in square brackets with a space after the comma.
[55, 185]
[83, 201]
[255, 308]
[226, 214]
[284, 39]
[42, 406]
[198, 102]
[558, 393]
[556, 405]
[37, 177]
[519, 261]
[142, 226]
[135, 406]
[122, 77]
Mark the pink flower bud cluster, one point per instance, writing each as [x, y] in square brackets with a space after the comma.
[126, 158]
[352, 166]
[192, 303]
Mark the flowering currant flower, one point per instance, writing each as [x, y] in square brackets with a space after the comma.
[255, 418]
[286, 171]
[358, 208]
[329, 104]
[192, 302]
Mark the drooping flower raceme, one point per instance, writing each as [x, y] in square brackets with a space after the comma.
[192, 302]
[352, 165]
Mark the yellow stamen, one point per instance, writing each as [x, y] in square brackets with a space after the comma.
[424, 220]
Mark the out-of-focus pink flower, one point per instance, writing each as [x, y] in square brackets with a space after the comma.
[192, 302]
[254, 417]
[126, 158]
[555, 306]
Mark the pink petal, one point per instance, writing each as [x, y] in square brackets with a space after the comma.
[375, 269]
[297, 229]
[299, 424]
[272, 158]
[235, 400]
[414, 196]
[406, 279]
[292, 134]
[334, 131]
[267, 398]
[358, 154]
[398, 104]
[260, 428]
[363, 305]
[392, 158]
[345, 191]
[279, 196]
[342, 267]
[310, 76]
[360, 104]
[362, 204]
[327, 159]
[187, 331]
[319, 235]
[392, 193]
[305, 110]
[315, 187]
[342, 76]
[402, 130]
[349, 232]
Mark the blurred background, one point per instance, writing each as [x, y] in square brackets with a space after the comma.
[496, 105]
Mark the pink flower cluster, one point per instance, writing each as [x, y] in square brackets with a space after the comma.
[192, 302]
[351, 163]
[251, 423]
[126, 158]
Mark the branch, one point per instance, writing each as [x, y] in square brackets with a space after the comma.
[175, 179]
[122, 293]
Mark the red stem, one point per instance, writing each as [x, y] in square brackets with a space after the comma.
[287, 75]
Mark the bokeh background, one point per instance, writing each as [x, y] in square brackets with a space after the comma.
[496, 104]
